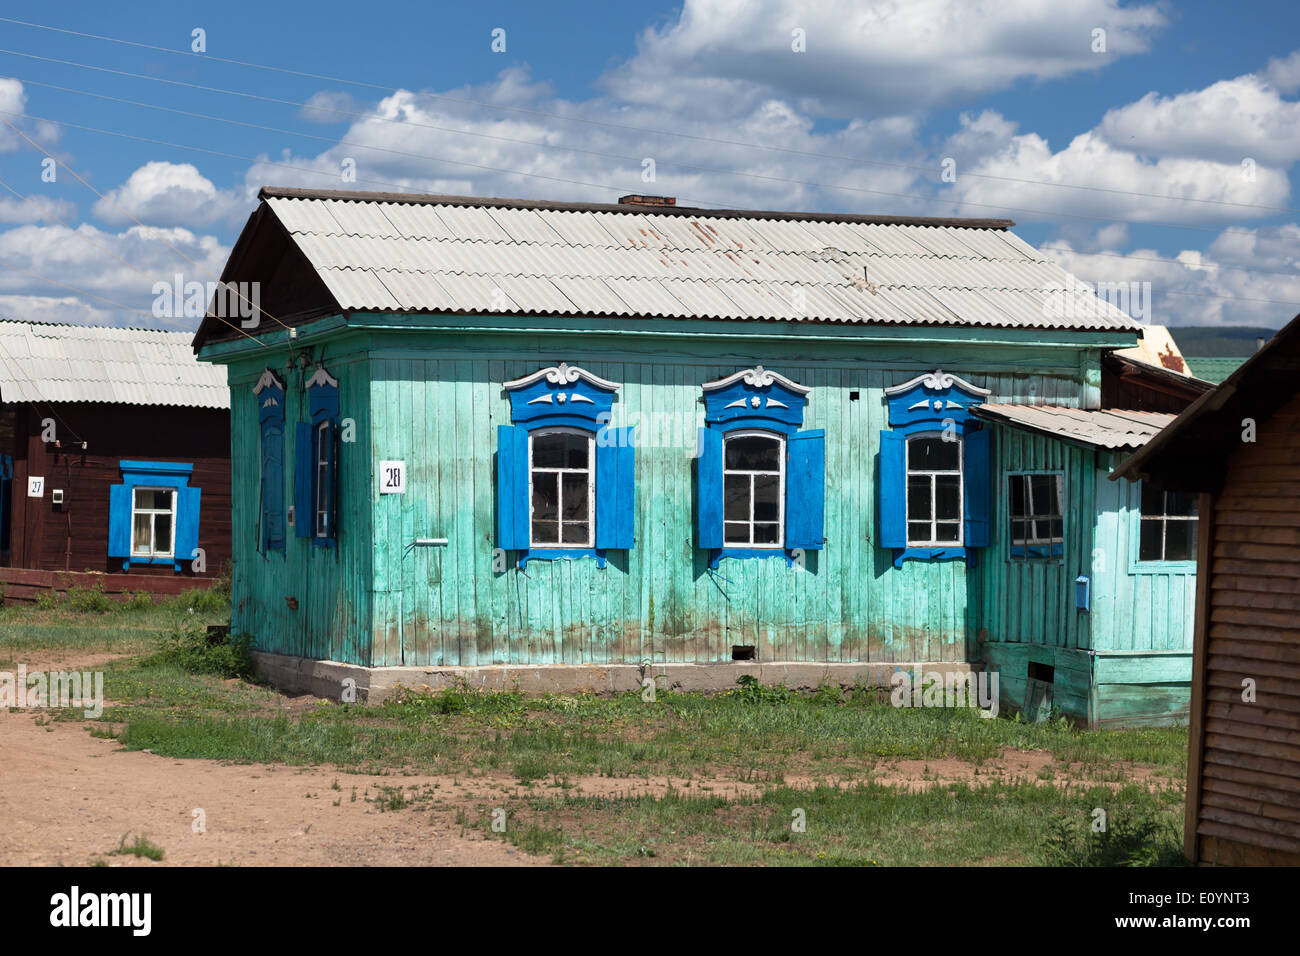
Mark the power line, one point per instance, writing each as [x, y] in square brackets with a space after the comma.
[380, 182]
[574, 149]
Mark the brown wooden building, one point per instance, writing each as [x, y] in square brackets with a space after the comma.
[1239, 447]
[114, 457]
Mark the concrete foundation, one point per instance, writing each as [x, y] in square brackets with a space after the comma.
[328, 679]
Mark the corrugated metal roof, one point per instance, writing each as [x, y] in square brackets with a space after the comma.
[42, 362]
[1215, 369]
[1110, 428]
[427, 254]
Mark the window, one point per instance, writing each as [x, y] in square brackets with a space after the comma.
[753, 477]
[316, 467]
[935, 471]
[153, 515]
[934, 506]
[561, 490]
[1035, 513]
[1168, 525]
[153, 523]
[324, 442]
[565, 474]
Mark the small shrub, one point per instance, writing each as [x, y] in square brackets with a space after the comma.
[139, 601]
[141, 846]
[48, 600]
[1137, 841]
[189, 648]
[752, 692]
[91, 600]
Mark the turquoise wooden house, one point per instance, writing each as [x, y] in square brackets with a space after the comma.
[536, 438]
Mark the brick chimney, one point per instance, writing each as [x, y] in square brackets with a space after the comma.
[635, 200]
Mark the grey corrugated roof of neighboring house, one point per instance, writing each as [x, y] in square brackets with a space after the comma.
[1110, 428]
[46, 362]
[409, 253]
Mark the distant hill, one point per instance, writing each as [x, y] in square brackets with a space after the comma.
[1219, 341]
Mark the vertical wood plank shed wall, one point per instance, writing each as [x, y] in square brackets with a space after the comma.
[434, 398]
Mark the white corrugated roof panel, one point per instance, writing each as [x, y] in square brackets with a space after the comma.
[1110, 428]
[603, 261]
[45, 362]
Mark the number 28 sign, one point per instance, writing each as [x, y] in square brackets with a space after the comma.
[392, 477]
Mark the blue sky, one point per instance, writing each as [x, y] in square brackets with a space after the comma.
[1082, 147]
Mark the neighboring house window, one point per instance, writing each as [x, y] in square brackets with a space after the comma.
[316, 477]
[269, 393]
[153, 523]
[753, 488]
[1034, 507]
[153, 516]
[935, 472]
[562, 488]
[761, 479]
[1168, 525]
[933, 491]
[565, 486]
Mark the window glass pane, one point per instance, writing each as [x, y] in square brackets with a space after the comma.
[765, 533]
[546, 504]
[947, 531]
[143, 538]
[735, 532]
[1016, 492]
[918, 531]
[575, 498]
[933, 454]
[546, 532]
[753, 453]
[560, 450]
[576, 533]
[918, 499]
[1019, 530]
[1180, 503]
[1058, 530]
[1044, 495]
[767, 493]
[1149, 544]
[1180, 541]
[735, 497]
[1153, 499]
[162, 529]
[947, 496]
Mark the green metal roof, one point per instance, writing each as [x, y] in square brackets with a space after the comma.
[1214, 369]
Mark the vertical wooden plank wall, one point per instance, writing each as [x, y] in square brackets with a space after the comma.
[437, 409]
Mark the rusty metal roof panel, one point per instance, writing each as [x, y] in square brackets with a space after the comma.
[46, 362]
[1102, 428]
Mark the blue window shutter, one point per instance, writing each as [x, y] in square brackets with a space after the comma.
[512, 488]
[304, 508]
[119, 521]
[273, 490]
[614, 490]
[332, 469]
[805, 490]
[187, 522]
[977, 467]
[708, 506]
[893, 496]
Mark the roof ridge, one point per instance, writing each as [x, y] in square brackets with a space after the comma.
[438, 199]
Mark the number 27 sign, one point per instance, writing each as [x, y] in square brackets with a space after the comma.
[392, 477]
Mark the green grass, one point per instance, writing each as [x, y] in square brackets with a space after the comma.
[177, 695]
[141, 847]
[863, 825]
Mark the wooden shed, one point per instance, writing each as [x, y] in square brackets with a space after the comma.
[114, 459]
[516, 434]
[1238, 447]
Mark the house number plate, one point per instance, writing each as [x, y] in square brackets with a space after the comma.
[392, 477]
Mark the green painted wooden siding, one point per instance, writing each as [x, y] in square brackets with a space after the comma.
[331, 587]
[1146, 608]
[658, 602]
[1032, 601]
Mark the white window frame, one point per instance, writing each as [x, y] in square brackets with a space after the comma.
[589, 471]
[960, 541]
[1164, 517]
[1032, 519]
[324, 436]
[780, 493]
[153, 512]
